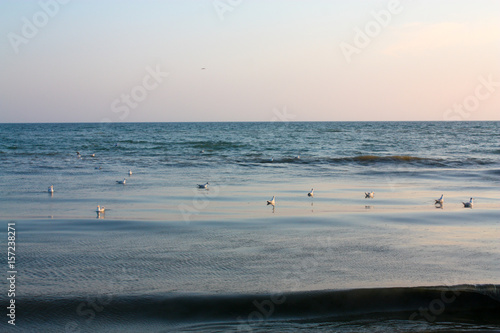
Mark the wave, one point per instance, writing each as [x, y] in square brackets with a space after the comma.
[330, 131]
[216, 145]
[374, 159]
[394, 158]
[137, 141]
[359, 159]
[207, 146]
[418, 160]
[441, 303]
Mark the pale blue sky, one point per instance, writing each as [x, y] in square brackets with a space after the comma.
[91, 61]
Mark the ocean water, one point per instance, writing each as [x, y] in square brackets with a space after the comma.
[167, 256]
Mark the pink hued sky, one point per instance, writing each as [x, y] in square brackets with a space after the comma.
[249, 60]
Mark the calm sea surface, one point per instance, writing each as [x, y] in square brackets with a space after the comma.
[407, 164]
[168, 256]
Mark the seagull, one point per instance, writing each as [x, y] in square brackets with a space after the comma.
[271, 202]
[272, 159]
[92, 155]
[439, 201]
[100, 209]
[369, 194]
[469, 204]
[311, 194]
[298, 157]
[130, 172]
[122, 181]
[51, 189]
[203, 186]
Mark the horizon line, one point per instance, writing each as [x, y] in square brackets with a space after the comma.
[251, 121]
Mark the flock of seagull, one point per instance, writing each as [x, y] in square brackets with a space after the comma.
[101, 209]
[468, 204]
[368, 195]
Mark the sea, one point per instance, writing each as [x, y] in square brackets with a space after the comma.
[169, 256]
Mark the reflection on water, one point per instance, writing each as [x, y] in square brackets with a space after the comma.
[262, 254]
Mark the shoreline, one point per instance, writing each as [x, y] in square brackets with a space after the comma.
[435, 307]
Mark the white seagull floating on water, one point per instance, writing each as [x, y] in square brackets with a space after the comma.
[122, 181]
[203, 186]
[311, 194]
[440, 200]
[271, 202]
[51, 189]
[469, 204]
[369, 194]
[130, 172]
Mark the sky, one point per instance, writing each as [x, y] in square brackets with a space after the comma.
[249, 60]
